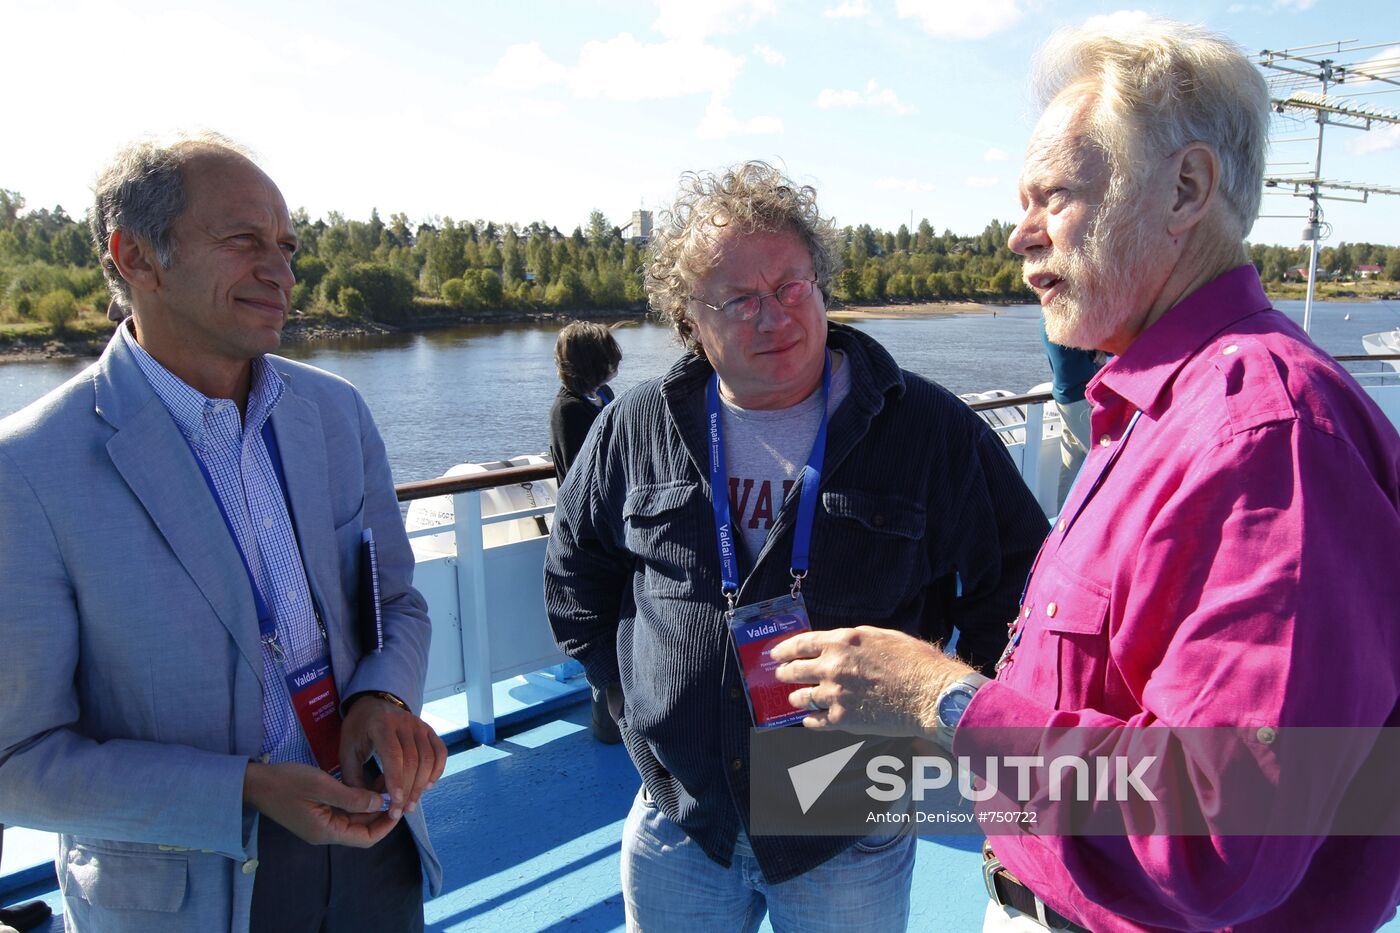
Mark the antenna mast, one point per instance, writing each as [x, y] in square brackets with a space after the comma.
[1311, 82]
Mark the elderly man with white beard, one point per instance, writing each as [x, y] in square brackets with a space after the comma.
[1226, 559]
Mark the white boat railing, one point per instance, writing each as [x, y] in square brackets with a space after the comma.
[487, 601]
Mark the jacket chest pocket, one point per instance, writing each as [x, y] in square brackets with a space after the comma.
[1073, 614]
[868, 556]
[663, 526]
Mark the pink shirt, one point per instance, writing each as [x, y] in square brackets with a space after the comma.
[1239, 565]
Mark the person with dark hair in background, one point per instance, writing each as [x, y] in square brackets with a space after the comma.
[586, 356]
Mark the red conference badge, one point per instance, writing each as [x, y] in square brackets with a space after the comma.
[317, 704]
[756, 630]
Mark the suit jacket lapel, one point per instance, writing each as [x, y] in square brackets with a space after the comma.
[301, 442]
[150, 453]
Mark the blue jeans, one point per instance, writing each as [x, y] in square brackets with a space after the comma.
[670, 884]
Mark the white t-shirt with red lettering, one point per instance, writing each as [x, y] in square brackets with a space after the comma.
[765, 450]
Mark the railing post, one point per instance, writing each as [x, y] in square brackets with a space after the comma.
[1030, 454]
[471, 599]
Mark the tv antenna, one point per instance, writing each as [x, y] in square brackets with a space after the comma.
[1325, 84]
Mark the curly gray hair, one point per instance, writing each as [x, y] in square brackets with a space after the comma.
[750, 198]
[142, 192]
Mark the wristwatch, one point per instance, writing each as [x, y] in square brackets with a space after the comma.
[952, 702]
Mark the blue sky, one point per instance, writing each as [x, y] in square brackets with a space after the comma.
[544, 110]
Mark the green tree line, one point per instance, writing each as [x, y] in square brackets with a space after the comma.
[399, 272]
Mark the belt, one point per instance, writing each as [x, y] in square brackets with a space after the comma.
[1007, 891]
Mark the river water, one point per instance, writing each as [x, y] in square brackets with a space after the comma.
[483, 392]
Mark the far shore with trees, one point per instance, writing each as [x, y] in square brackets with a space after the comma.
[368, 276]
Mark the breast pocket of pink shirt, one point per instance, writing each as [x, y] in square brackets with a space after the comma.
[1073, 613]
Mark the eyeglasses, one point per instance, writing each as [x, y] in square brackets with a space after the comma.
[746, 307]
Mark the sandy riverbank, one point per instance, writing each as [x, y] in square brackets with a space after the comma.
[918, 309]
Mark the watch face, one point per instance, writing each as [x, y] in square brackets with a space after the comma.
[953, 704]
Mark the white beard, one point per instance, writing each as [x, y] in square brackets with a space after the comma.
[1102, 279]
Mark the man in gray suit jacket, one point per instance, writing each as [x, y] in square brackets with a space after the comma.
[183, 528]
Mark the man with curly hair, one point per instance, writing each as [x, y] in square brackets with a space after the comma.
[871, 492]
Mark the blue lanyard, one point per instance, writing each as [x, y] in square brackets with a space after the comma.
[267, 625]
[605, 395]
[810, 477]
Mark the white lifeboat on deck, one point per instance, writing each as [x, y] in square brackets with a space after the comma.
[437, 511]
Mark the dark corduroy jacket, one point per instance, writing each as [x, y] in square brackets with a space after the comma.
[917, 493]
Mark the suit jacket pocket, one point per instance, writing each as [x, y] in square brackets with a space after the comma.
[117, 879]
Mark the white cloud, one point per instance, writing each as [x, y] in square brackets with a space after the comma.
[627, 69]
[720, 123]
[689, 19]
[770, 55]
[1379, 140]
[1384, 61]
[1119, 20]
[622, 68]
[872, 96]
[911, 185]
[847, 9]
[995, 154]
[525, 67]
[1277, 6]
[981, 181]
[507, 112]
[962, 20]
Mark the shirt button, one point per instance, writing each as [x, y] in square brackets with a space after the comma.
[1063, 526]
[1267, 734]
[737, 764]
[267, 522]
[265, 758]
[1051, 609]
[250, 866]
[1230, 349]
[878, 519]
[735, 693]
[1026, 613]
[1105, 441]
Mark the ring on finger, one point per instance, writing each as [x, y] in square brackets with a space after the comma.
[812, 703]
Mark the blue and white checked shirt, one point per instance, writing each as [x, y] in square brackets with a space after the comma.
[238, 460]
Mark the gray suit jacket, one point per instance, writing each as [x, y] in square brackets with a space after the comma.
[133, 692]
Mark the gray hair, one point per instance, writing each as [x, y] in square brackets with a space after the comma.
[141, 192]
[1160, 86]
[753, 197]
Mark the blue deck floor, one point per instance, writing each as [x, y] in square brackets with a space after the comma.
[528, 832]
